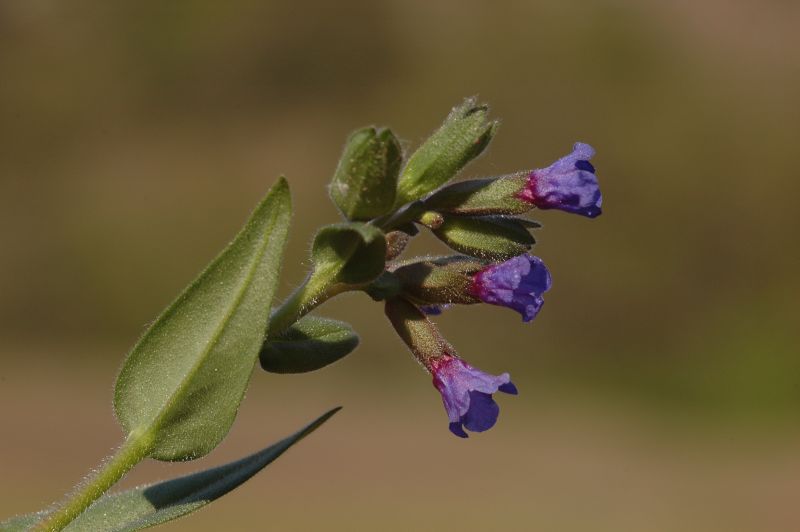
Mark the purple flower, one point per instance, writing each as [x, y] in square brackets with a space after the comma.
[467, 394]
[517, 283]
[569, 184]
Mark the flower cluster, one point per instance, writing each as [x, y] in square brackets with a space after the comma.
[387, 199]
[480, 210]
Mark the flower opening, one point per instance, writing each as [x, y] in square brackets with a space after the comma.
[569, 184]
[467, 394]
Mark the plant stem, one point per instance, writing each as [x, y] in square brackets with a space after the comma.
[303, 300]
[406, 214]
[132, 451]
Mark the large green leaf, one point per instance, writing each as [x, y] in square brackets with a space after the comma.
[21, 522]
[308, 345]
[182, 383]
[147, 506]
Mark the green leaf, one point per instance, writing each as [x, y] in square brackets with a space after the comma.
[152, 505]
[310, 344]
[182, 383]
[350, 253]
[365, 181]
[464, 135]
[21, 522]
[490, 237]
[479, 197]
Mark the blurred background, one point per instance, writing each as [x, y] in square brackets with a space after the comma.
[659, 386]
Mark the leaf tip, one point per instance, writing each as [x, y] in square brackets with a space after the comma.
[281, 187]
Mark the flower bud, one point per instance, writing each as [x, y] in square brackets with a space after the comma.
[569, 184]
[480, 197]
[464, 135]
[364, 184]
[490, 237]
[431, 219]
[440, 280]
[396, 242]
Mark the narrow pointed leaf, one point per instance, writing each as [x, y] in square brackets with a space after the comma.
[151, 505]
[182, 383]
[310, 344]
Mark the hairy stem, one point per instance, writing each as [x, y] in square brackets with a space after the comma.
[132, 451]
[303, 300]
[404, 215]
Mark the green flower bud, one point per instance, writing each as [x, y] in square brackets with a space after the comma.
[396, 242]
[365, 181]
[431, 219]
[439, 280]
[480, 197]
[489, 237]
[464, 135]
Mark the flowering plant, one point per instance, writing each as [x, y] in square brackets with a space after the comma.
[180, 387]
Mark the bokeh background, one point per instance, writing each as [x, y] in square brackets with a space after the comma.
[659, 386]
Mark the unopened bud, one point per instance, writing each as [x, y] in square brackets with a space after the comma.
[431, 219]
[489, 237]
[464, 135]
[365, 181]
[396, 242]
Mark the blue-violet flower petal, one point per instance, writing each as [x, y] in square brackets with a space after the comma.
[467, 394]
[517, 283]
[569, 184]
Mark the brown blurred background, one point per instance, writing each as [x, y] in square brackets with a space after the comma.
[659, 386]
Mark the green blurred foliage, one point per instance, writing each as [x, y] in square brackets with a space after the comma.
[126, 126]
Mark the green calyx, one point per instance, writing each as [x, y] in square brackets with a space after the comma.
[480, 197]
[418, 332]
[439, 280]
[349, 253]
[364, 184]
[346, 256]
[462, 137]
[488, 237]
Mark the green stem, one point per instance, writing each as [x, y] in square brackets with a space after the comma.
[132, 451]
[303, 300]
[408, 213]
